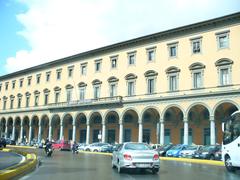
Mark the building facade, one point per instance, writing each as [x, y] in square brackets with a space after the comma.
[174, 86]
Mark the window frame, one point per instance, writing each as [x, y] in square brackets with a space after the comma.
[134, 55]
[153, 50]
[220, 35]
[170, 46]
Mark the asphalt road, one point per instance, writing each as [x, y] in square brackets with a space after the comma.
[68, 166]
[8, 159]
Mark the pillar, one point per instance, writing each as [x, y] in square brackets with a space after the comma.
[161, 131]
[185, 138]
[74, 133]
[50, 132]
[6, 130]
[61, 131]
[120, 133]
[13, 132]
[212, 131]
[21, 133]
[88, 134]
[39, 133]
[140, 132]
[103, 133]
[30, 133]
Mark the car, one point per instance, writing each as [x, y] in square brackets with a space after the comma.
[62, 145]
[3, 142]
[207, 152]
[163, 149]
[107, 148]
[218, 155]
[189, 151]
[10, 141]
[81, 146]
[95, 147]
[175, 150]
[133, 155]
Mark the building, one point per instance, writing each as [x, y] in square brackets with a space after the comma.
[173, 86]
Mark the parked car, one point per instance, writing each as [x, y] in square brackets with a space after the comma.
[132, 155]
[107, 148]
[62, 145]
[10, 141]
[207, 152]
[95, 147]
[163, 149]
[176, 150]
[189, 151]
[81, 146]
[3, 142]
[218, 154]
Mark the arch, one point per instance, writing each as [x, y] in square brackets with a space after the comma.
[110, 110]
[223, 62]
[196, 65]
[130, 76]
[66, 115]
[172, 69]
[69, 86]
[46, 90]
[57, 88]
[149, 107]
[106, 115]
[130, 108]
[92, 114]
[112, 79]
[198, 103]
[224, 101]
[170, 106]
[82, 84]
[150, 73]
[96, 82]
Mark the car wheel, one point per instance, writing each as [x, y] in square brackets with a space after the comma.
[228, 164]
[95, 150]
[87, 149]
[155, 170]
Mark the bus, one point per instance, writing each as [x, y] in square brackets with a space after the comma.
[231, 142]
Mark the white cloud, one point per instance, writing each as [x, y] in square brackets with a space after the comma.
[58, 28]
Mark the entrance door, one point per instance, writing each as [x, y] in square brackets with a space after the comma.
[111, 136]
[146, 135]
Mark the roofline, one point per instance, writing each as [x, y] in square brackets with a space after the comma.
[212, 23]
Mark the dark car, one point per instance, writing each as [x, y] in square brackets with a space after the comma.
[163, 149]
[3, 143]
[207, 152]
[10, 141]
[107, 148]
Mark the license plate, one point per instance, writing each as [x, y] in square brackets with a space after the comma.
[196, 155]
[143, 165]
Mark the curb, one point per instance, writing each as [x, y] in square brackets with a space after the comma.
[187, 160]
[17, 170]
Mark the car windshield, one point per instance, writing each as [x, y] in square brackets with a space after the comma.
[135, 146]
[167, 146]
[176, 147]
[191, 148]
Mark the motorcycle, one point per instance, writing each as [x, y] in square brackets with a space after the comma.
[49, 150]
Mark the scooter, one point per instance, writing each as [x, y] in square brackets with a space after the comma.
[49, 150]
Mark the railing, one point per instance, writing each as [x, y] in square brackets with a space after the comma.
[85, 102]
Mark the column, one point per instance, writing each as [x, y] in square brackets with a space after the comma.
[74, 133]
[158, 133]
[120, 133]
[13, 132]
[185, 138]
[140, 132]
[61, 131]
[161, 131]
[6, 130]
[30, 134]
[21, 133]
[50, 132]
[212, 131]
[88, 134]
[39, 133]
[103, 133]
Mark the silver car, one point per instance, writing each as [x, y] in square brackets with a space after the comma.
[135, 155]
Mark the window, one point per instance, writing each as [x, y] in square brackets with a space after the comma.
[13, 84]
[0, 87]
[114, 62]
[57, 97]
[172, 48]
[69, 95]
[70, 71]
[21, 83]
[27, 101]
[223, 39]
[97, 65]
[151, 54]
[150, 86]
[113, 89]
[48, 76]
[197, 80]
[96, 91]
[11, 103]
[131, 88]
[196, 45]
[131, 58]
[19, 102]
[36, 100]
[84, 69]
[59, 71]
[4, 104]
[6, 86]
[38, 78]
[29, 81]
[46, 99]
[82, 93]
[224, 67]
[172, 83]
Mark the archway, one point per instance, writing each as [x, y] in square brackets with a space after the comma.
[10, 127]
[45, 127]
[25, 125]
[112, 127]
[67, 127]
[17, 129]
[35, 128]
[95, 126]
[130, 126]
[55, 123]
[81, 128]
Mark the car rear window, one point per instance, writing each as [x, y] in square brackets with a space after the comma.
[135, 146]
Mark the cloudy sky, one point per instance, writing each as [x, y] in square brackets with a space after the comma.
[33, 32]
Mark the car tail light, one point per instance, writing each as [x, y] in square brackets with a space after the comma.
[127, 157]
[155, 157]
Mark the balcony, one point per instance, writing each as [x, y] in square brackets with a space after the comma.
[116, 100]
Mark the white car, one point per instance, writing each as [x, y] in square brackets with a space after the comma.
[189, 151]
[95, 147]
[133, 155]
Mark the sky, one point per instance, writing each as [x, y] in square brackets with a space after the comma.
[34, 32]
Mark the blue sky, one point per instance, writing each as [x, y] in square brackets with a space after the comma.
[33, 32]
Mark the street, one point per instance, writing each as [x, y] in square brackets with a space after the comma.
[65, 165]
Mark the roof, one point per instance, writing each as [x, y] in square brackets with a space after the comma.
[196, 27]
